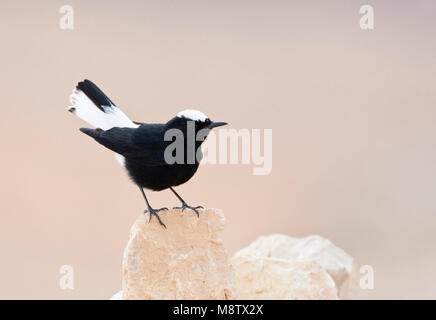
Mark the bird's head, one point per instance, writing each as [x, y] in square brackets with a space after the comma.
[194, 124]
[198, 118]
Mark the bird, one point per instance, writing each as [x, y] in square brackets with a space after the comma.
[140, 147]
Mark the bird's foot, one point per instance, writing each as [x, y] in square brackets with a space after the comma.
[195, 209]
[153, 212]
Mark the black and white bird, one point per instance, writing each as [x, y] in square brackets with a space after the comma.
[140, 147]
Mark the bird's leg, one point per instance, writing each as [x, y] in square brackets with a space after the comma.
[185, 205]
[152, 211]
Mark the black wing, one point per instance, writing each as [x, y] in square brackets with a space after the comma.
[124, 141]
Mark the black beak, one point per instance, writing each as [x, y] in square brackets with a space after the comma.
[216, 124]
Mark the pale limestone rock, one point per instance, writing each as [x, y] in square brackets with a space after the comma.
[185, 261]
[334, 260]
[117, 296]
[278, 279]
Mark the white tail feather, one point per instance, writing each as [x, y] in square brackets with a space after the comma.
[86, 110]
[112, 116]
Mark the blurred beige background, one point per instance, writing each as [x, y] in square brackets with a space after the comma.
[353, 117]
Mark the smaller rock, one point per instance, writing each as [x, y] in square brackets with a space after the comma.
[334, 260]
[270, 278]
[117, 296]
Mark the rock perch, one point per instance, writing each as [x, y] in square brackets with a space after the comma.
[185, 261]
[282, 267]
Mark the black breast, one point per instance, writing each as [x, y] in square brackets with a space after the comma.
[146, 163]
[160, 177]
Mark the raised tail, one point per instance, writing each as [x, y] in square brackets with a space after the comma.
[91, 105]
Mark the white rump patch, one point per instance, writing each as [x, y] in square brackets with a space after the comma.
[194, 115]
[121, 160]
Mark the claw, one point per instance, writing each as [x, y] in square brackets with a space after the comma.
[153, 212]
[195, 209]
